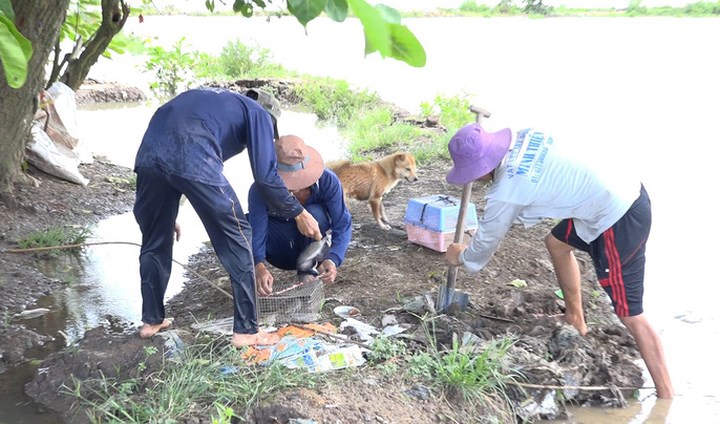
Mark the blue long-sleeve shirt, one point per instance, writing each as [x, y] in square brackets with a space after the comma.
[328, 193]
[192, 135]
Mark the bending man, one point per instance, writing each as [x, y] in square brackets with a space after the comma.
[604, 213]
[182, 153]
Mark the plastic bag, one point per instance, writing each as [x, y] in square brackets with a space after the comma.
[55, 159]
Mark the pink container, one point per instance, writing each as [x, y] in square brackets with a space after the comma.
[434, 240]
[430, 221]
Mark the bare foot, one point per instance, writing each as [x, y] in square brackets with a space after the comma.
[259, 338]
[149, 330]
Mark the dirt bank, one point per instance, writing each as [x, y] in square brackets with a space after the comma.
[382, 274]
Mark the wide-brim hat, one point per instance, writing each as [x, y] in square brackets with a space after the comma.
[476, 152]
[299, 165]
[268, 102]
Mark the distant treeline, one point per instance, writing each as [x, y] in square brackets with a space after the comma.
[537, 7]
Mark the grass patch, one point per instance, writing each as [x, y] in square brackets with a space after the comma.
[475, 372]
[334, 101]
[58, 236]
[373, 130]
[207, 378]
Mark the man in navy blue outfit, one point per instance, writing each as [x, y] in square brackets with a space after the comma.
[275, 238]
[182, 153]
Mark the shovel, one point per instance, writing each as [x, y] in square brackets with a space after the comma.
[447, 295]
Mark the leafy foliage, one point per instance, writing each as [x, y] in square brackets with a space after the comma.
[173, 68]
[15, 49]
[333, 100]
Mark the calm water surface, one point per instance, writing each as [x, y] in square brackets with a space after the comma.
[639, 91]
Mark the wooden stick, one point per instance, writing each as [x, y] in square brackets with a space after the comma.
[553, 387]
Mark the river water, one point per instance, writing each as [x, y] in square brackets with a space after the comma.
[643, 91]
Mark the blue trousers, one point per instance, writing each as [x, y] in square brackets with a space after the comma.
[156, 207]
[285, 243]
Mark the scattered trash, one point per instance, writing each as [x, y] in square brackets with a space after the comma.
[518, 283]
[366, 332]
[559, 293]
[389, 320]
[392, 330]
[228, 370]
[327, 358]
[32, 313]
[346, 311]
[174, 345]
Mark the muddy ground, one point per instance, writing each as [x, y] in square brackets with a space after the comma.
[383, 274]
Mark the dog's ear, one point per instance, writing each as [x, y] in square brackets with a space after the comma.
[400, 157]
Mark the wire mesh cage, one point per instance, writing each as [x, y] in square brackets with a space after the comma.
[290, 304]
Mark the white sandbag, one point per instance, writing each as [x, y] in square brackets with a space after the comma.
[53, 158]
[62, 125]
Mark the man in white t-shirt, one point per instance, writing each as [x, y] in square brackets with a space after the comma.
[601, 213]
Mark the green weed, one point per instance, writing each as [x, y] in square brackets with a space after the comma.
[208, 375]
[334, 100]
[55, 237]
[173, 68]
[478, 372]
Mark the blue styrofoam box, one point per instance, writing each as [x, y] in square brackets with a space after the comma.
[439, 213]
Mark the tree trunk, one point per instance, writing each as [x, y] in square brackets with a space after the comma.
[114, 16]
[39, 21]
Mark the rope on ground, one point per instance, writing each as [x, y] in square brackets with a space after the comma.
[99, 243]
[552, 387]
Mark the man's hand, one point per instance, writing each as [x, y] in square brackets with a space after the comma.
[177, 231]
[453, 253]
[263, 280]
[328, 271]
[307, 225]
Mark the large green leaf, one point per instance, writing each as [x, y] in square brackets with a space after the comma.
[15, 52]
[377, 33]
[406, 47]
[336, 10]
[306, 10]
[6, 8]
[388, 13]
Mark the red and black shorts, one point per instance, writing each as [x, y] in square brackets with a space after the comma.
[618, 255]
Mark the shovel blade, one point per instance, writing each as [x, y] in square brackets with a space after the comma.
[448, 298]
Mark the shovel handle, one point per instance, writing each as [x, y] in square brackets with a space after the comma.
[447, 293]
[452, 270]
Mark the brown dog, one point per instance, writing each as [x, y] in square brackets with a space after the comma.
[371, 180]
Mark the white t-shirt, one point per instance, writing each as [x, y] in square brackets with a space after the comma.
[535, 181]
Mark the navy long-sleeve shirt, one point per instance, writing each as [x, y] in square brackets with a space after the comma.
[192, 135]
[328, 193]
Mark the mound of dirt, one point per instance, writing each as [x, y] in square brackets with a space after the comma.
[384, 275]
[92, 91]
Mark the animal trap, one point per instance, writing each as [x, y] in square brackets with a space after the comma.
[291, 302]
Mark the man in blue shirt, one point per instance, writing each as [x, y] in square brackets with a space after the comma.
[275, 238]
[182, 153]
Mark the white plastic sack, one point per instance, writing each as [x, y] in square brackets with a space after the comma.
[62, 125]
[53, 158]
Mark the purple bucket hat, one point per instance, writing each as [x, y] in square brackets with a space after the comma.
[475, 152]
